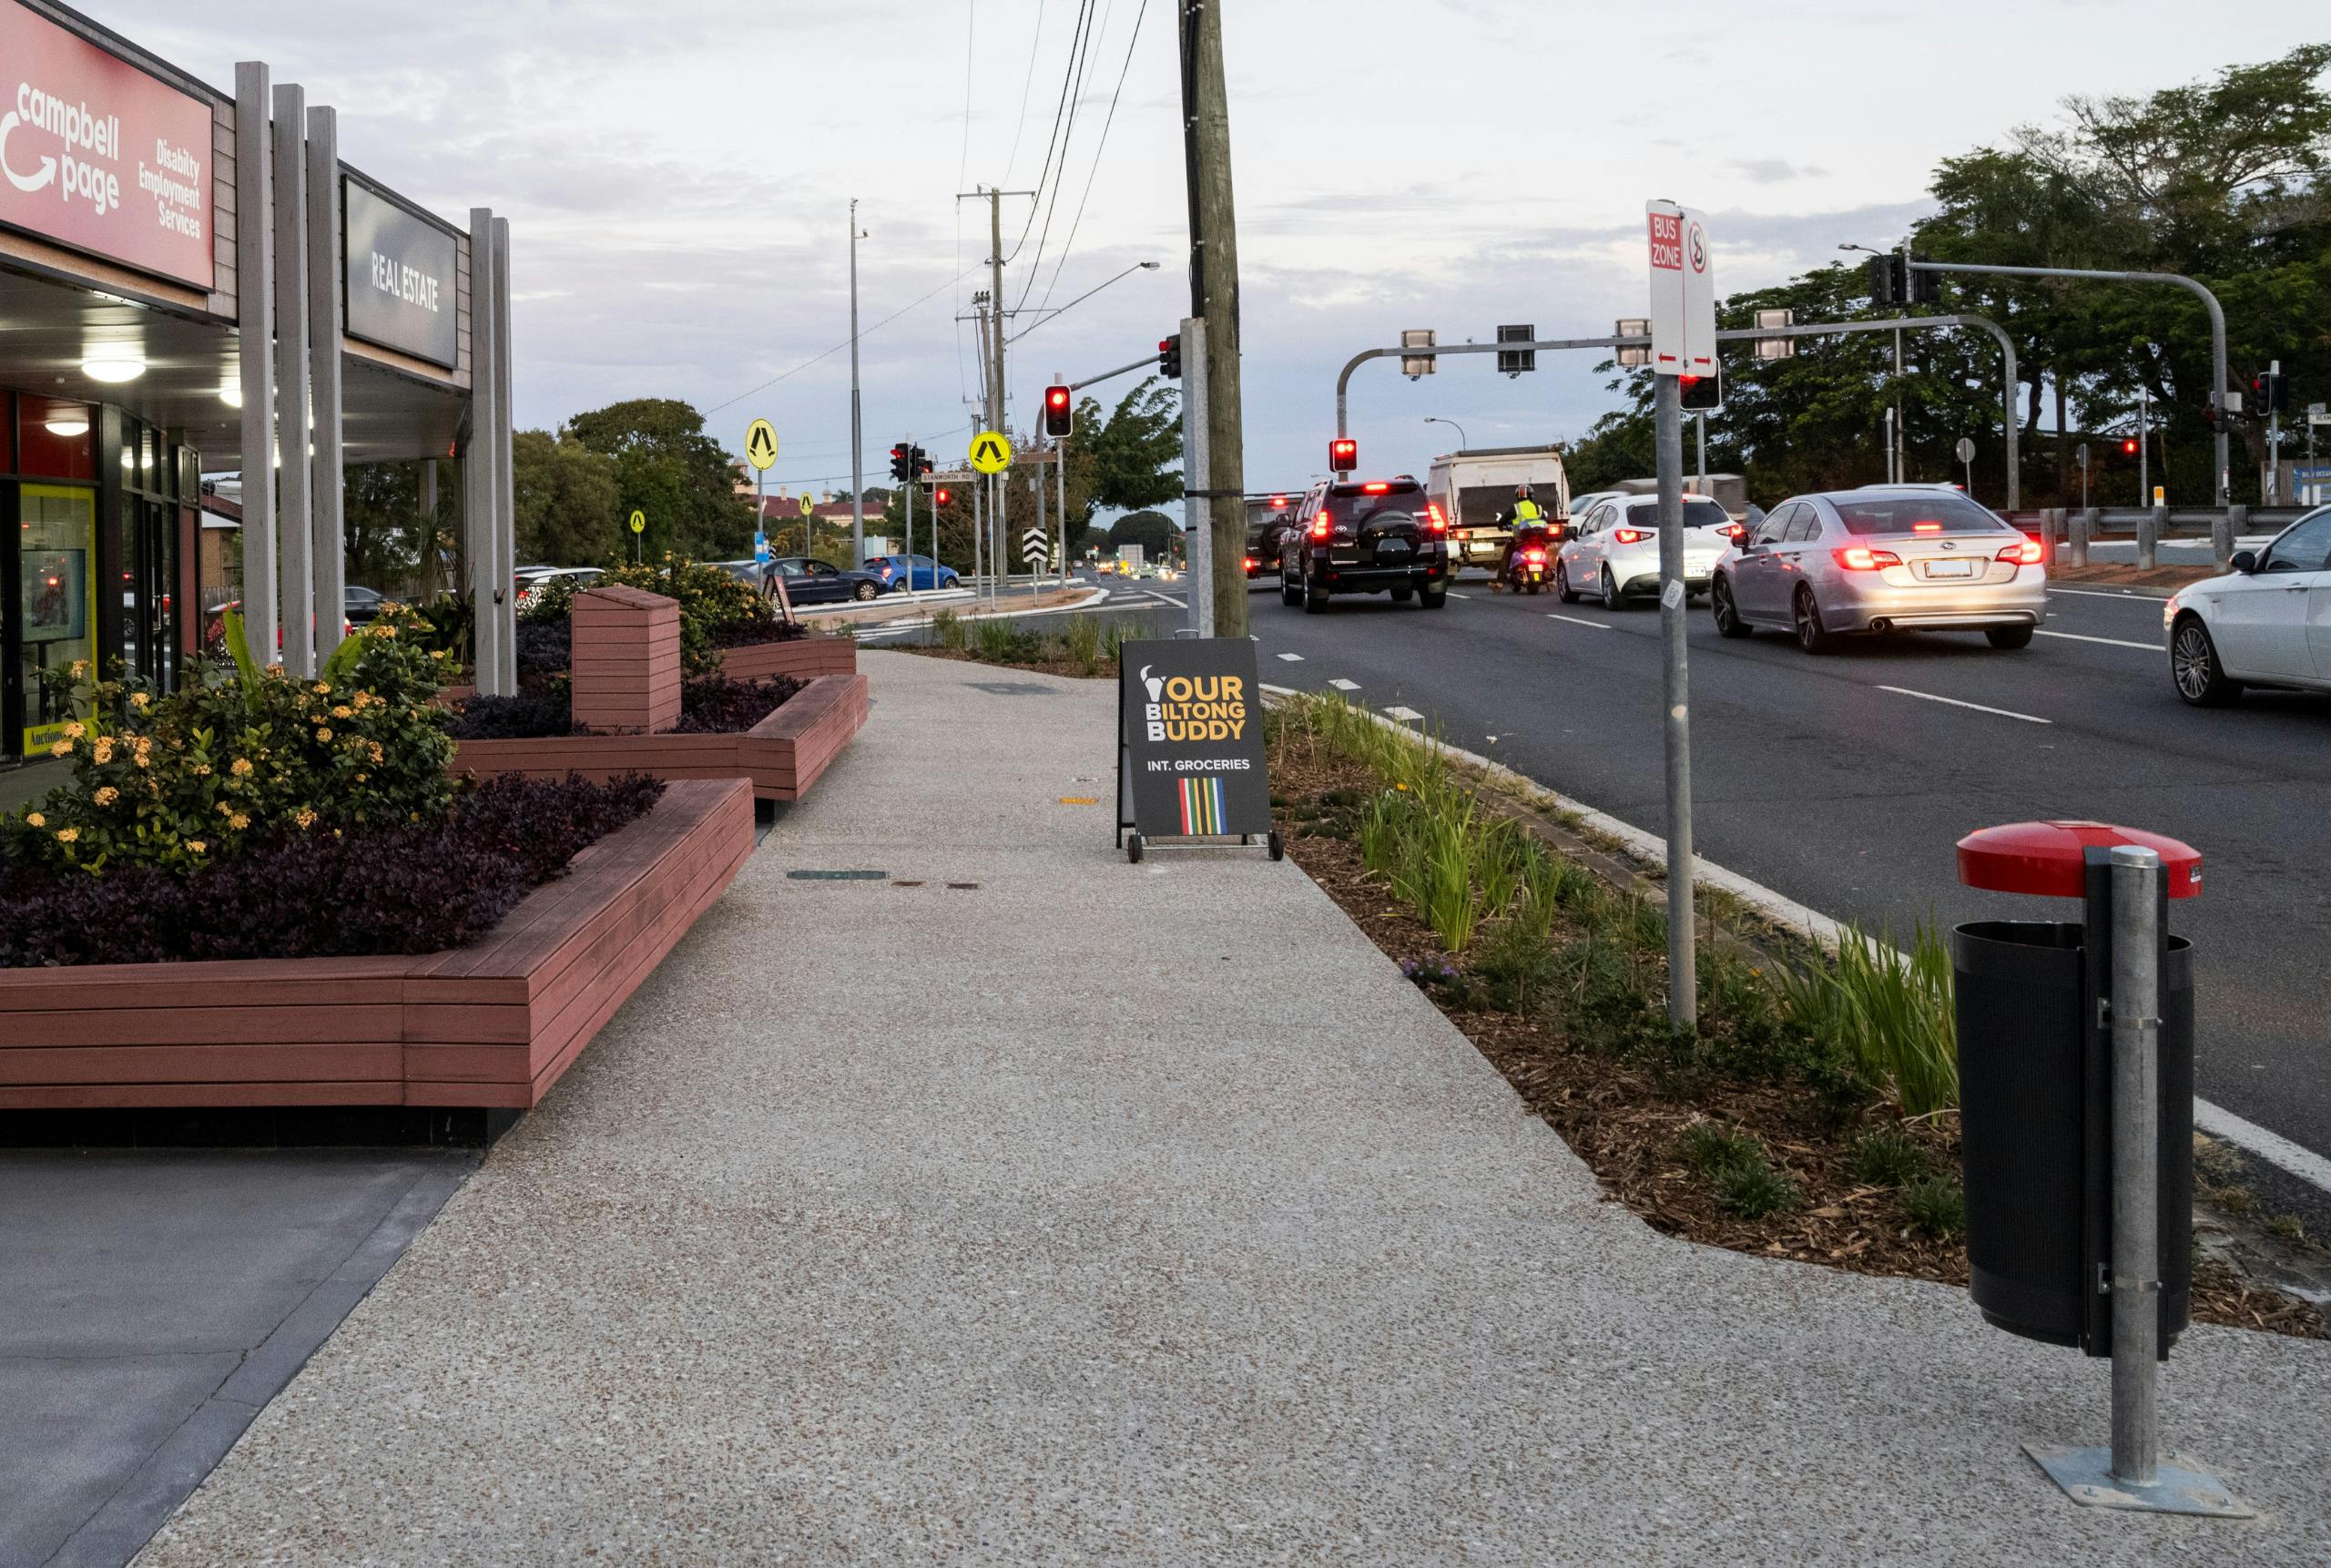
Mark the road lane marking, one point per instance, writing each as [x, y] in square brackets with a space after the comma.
[1405, 715]
[1340, 683]
[1979, 707]
[1455, 594]
[1167, 599]
[2108, 642]
[2111, 593]
[1573, 620]
[2274, 1149]
[1292, 658]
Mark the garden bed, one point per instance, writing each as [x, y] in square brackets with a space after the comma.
[491, 1024]
[782, 756]
[1751, 1135]
[801, 658]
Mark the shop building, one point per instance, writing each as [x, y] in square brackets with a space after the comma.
[193, 281]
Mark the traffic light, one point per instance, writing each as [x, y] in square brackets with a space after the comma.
[1343, 454]
[2260, 391]
[941, 495]
[2129, 446]
[1887, 287]
[1701, 394]
[1169, 357]
[1925, 288]
[919, 461]
[899, 470]
[1058, 415]
[2268, 393]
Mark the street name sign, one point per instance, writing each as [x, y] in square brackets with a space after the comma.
[991, 453]
[1682, 291]
[760, 444]
[1190, 739]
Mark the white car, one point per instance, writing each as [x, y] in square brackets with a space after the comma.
[1581, 505]
[2265, 623]
[1614, 551]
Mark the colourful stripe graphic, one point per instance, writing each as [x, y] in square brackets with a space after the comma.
[1202, 804]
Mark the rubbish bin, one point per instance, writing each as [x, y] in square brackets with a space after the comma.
[2035, 1086]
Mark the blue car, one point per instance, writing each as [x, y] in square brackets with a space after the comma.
[927, 573]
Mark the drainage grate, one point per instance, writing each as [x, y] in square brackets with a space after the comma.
[837, 876]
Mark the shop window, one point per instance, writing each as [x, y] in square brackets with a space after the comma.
[56, 615]
[55, 439]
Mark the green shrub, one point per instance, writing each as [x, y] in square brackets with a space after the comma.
[1887, 1156]
[1708, 1147]
[947, 629]
[1893, 1011]
[1081, 638]
[1000, 642]
[1516, 966]
[237, 758]
[716, 610]
[1935, 1205]
[1755, 1191]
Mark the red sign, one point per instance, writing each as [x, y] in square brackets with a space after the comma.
[1667, 241]
[99, 156]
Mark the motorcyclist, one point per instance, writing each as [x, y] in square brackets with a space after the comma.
[1526, 524]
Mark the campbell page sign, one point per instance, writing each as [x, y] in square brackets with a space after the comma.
[99, 156]
[1191, 714]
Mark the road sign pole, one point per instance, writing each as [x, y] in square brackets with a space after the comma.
[906, 560]
[1683, 982]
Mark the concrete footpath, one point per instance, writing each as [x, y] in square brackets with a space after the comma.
[1109, 1214]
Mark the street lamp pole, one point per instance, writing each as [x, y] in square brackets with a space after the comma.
[1049, 312]
[1462, 442]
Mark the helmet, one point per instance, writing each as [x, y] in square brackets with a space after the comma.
[1521, 493]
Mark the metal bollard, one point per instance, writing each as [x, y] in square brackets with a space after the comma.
[2225, 529]
[2136, 1153]
[2149, 527]
[2083, 530]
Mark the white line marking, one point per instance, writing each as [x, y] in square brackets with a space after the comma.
[2271, 1148]
[2214, 1120]
[2112, 594]
[1405, 715]
[1340, 683]
[1573, 620]
[1292, 658]
[2108, 642]
[1979, 707]
[1455, 594]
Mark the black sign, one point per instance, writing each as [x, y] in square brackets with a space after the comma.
[400, 283]
[1190, 717]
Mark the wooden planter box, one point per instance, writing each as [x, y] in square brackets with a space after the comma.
[803, 658]
[783, 754]
[491, 1025]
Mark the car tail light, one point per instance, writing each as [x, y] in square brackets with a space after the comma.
[1925, 527]
[2025, 553]
[1733, 531]
[1434, 518]
[1250, 562]
[1626, 535]
[1861, 558]
[1320, 525]
[1375, 487]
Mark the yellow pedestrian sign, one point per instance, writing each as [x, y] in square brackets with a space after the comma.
[760, 444]
[806, 505]
[991, 453]
[639, 521]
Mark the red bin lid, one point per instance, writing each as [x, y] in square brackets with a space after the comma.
[2049, 857]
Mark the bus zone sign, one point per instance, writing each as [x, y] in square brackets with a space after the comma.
[1682, 291]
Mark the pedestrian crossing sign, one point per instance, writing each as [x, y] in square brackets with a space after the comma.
[991, 453]
[760, 444]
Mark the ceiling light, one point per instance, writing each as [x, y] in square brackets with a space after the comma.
[68, 424]
[231, 394]
[114, 365]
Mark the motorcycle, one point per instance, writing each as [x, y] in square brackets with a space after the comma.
[1530, 563]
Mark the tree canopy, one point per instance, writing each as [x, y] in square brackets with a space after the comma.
[667, 467]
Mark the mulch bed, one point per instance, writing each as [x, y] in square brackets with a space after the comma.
[1625, 1124]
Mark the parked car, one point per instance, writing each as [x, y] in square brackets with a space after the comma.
[1881, 559]
[809, 581]
[531, 578]
[2265, 623]
[362, 604]
[893, 573]
[1613, 552]
[1372, 536]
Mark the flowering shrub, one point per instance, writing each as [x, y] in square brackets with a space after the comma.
[197, 777]
[411, 888]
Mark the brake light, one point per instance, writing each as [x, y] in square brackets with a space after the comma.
[1626, 535]
[2025, 553]
[1250, 562]
[1439, 523]
[1375, 487]
[1925, 527]
[1861, 558]
[1320, 525]
[1733, 531]
[1278, 502]
[1534, 554]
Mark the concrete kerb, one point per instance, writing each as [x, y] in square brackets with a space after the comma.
[1822, 930]
[891, 628]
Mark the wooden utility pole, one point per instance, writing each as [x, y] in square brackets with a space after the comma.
[1214, 296]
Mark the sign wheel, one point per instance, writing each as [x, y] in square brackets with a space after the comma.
[1278, 846]
[1133, 846]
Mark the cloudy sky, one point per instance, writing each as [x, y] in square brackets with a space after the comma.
[677, 177]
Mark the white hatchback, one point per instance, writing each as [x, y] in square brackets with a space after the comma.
[2265, 623]
[1614, 551]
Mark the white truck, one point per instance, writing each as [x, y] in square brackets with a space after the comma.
[1474, 490]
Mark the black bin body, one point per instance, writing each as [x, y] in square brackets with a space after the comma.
[2036, 1127]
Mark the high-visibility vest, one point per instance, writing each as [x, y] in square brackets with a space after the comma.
[1526, 511]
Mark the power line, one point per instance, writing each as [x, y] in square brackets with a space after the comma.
[1020, 125]
[971, 37]
[838, 348]
[1077, 67]
[1068, 80]
[1099, 147]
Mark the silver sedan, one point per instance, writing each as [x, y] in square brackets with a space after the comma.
[1881, 559]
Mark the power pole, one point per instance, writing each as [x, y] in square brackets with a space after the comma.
[857, 444]
[1214, 299]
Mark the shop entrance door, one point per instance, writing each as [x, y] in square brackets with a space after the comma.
[47, 614]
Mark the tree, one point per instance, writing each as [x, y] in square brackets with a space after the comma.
[570, 501]
[668, 468]
[1153, 530]
[380, 521]
[1122, 461]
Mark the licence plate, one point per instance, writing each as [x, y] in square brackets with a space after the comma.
[1391, 549]
[1951, 568]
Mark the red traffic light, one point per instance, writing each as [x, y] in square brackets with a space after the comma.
[1057, 417]
[2129, 447]
[1055, 397]
[1343, 454]
[940, 496]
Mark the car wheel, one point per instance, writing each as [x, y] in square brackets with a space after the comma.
[2194, 668]
[863, 591]
[1728, 622]
[1811, 635]
[1562, 590]
[1609, 591]
[2009, 637]
[1290, 592]
[1433, 598]
[1314, 597]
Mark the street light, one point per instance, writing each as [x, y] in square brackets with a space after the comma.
[1897, 446]
[1049, 312]
[1461, 442]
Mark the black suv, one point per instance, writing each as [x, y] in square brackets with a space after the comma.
[1372, 536]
